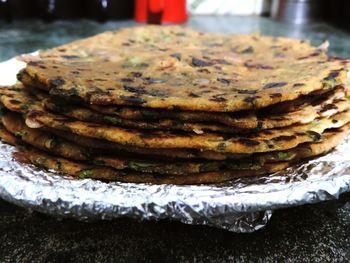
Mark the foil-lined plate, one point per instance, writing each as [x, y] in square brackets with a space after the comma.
[242, 205]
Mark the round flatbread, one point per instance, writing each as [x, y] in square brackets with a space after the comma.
[184, 70]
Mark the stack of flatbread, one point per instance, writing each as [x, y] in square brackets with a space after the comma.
[171, 105]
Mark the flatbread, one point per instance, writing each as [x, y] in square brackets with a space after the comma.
[11, 96]
[264, 141]
[327, 105]
[332, 104]
[55, 145]
[82, 170]
[331, 138]
[159, 153]
[244, 120]
[167, 71]
[14, 123]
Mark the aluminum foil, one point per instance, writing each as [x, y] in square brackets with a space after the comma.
[242, 205]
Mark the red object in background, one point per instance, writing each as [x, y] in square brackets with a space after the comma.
[160, 11]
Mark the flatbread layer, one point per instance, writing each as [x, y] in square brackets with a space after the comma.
[263, 141]
[273, 116]
[332, 103]
[43, 140]
[177, 68]
[82, 170]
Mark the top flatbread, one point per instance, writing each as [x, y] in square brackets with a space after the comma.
[177, 68]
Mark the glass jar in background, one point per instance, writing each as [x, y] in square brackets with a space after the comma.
[296, 11]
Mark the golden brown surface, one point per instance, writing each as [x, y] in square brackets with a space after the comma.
[81, 170]
[332, 103]
[60, 147]
[176, 68]
[263, 141]
[170, 105]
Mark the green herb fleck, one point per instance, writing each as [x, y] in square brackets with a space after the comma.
[20, 134]
[112, 120]
[99, 162]
[58, 165]
[139, 166]
[165, 37]
[330, 83]
[40, 162]
[85, 174]
[244, 165]
[316, 122]
[221, 146]
[283, 155]
[25, 106]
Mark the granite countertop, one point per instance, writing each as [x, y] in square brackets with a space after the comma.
[311, 233]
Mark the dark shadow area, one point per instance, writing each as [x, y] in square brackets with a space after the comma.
[337, 12]
[50, 10]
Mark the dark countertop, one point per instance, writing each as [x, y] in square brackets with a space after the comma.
[311, 233]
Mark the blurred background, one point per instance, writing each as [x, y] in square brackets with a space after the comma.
[29, 25]
[177, 11]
